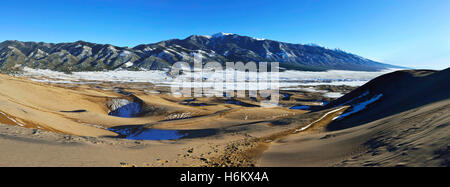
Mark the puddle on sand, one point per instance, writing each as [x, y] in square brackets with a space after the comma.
[73, 111]
[142, 133]
[300, 107]
[129, 110]
[236, 102]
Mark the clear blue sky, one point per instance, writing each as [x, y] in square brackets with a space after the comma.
[413, 33]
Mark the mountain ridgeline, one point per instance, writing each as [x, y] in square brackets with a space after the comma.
[221, 47]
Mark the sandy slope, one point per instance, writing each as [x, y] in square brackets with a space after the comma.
[39, 106]
[27, 147]
[81, 139]
[409, 126]
[30, 147]
[417, 137]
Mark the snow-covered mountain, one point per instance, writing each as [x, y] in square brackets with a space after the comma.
[220, 47]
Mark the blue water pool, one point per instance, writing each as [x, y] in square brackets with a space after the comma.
[142, 133]
[301, 107]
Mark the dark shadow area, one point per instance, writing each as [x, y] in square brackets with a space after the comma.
[240, 103]
[312, 100]
[286, 96]
[300, 107]
[139, 132]
[73, 111]
[127, 111]
[200, 104]
[402, 91]
[120, 91]
[132, 107]
[282, 122]
[193, 102]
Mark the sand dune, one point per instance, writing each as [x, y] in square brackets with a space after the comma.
[386, 122]
[408, 126]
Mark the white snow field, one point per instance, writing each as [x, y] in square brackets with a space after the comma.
[287, 80]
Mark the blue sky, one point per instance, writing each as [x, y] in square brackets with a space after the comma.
[413, 33]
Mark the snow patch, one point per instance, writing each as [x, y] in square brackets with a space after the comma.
[358, 107]
[12, 119]
[147, 49]
[129, 64]
[259, 39]
[221, 34]
[125, 53]
[206, 36]
[333, 94]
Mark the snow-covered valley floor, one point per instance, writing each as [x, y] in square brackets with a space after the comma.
[287, 80]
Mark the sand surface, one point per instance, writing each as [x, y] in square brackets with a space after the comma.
[50, 124]
[66, 125]
[408, 126]
[413, 138]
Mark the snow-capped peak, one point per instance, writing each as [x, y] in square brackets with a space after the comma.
[259, 39]
[314, 45]
[221, 34]
[205, 36]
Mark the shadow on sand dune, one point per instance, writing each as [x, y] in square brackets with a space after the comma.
[402, 91]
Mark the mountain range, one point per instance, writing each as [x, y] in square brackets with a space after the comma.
[220, 47]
